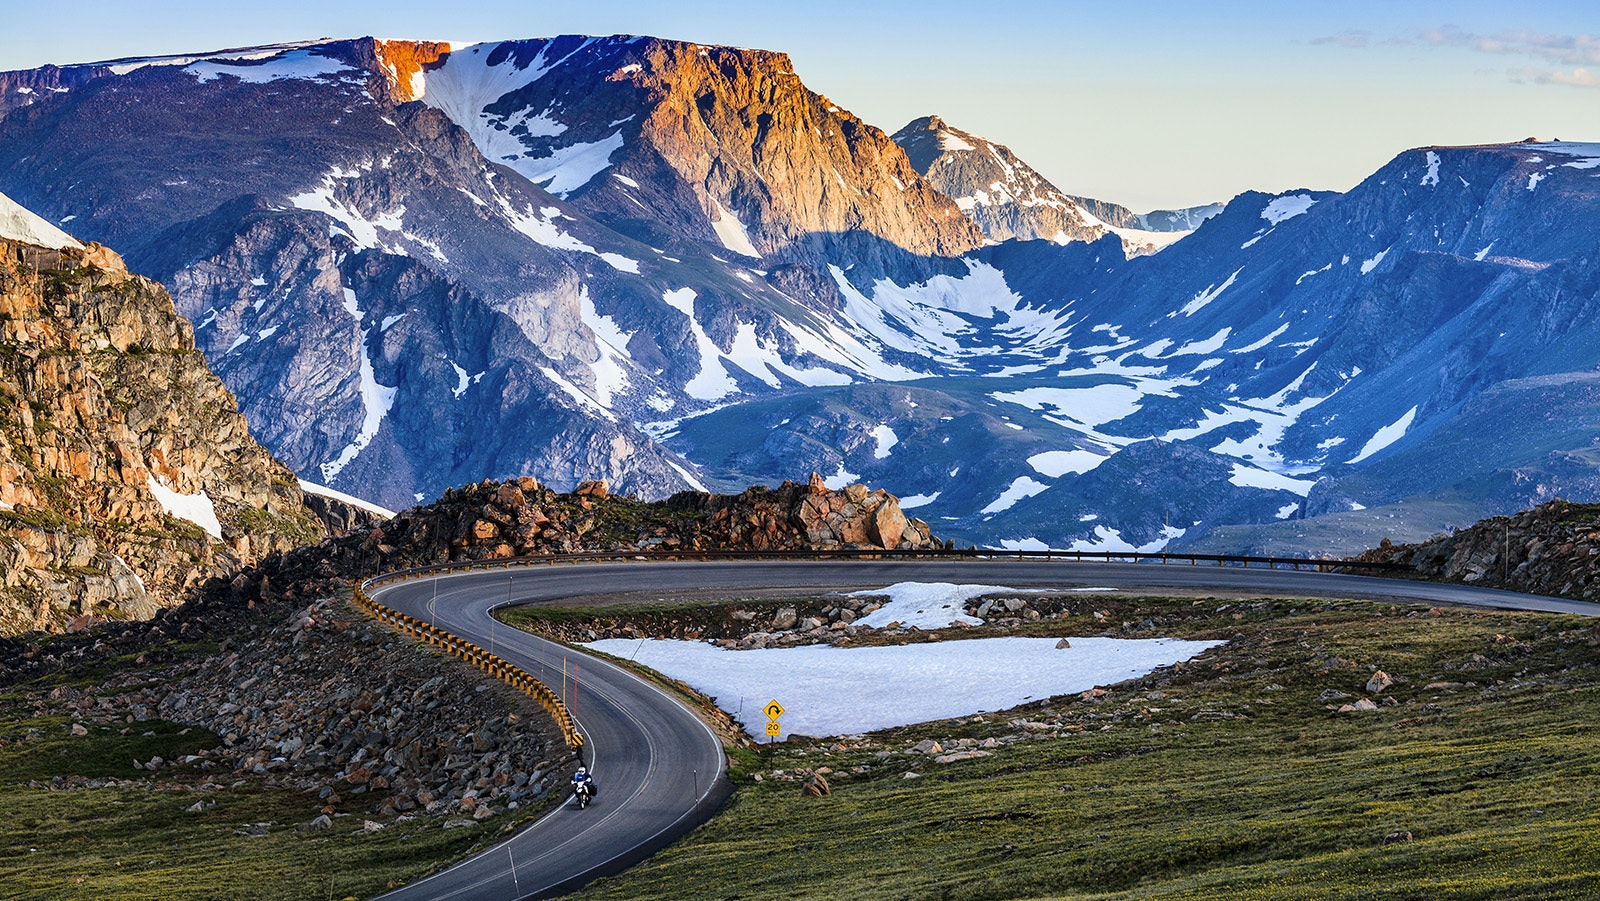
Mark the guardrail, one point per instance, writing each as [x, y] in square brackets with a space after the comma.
[1321, 565]
[504, 670]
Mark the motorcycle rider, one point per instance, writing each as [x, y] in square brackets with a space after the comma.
[582, 778]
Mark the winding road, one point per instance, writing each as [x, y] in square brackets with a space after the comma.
[661, 770]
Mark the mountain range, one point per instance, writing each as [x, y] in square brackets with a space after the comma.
[672, 265]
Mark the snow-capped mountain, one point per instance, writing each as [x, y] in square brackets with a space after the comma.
[669, 264]
[375, 279]
[1007, 199]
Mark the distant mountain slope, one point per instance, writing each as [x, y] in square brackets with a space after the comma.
[1186, 219]
[1007, 199]
[723, 144]
[127, 475]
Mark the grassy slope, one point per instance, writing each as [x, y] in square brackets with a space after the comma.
[1234, 780]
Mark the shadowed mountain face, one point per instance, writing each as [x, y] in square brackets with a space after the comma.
[669, 264]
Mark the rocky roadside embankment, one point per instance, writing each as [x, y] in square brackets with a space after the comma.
[416, 734]
[836, 620]
[1553, 549]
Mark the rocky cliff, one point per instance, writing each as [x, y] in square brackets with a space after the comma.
[729, 141]
[127, 475]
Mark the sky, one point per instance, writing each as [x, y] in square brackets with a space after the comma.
[1152, 105]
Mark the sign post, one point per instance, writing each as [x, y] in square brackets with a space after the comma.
[773, 710]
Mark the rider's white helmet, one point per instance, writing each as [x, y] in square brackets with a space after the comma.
[582, 771]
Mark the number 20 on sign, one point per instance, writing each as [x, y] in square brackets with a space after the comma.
[773, 710]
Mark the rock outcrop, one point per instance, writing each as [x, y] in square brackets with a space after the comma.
[1553, 549]
[411, 733]
[746, 138]
[1006, 198]
[520, 517]
[127, 475]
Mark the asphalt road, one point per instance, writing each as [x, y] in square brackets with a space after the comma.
[661, 771]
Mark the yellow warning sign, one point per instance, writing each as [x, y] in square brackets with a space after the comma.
[772, 728]
[773, 710]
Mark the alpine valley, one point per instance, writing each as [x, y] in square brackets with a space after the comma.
[673, 266]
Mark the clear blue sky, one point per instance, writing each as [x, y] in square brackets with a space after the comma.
[1151, 105]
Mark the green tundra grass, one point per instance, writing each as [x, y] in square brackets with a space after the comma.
[1229, 777]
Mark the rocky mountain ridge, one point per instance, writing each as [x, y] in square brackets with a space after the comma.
[1008, 199]
[568, 294]
[127, 476]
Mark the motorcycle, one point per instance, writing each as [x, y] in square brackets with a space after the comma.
[583, 792]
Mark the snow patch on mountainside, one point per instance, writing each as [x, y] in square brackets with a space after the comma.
[730, 231]
[712, 381]
[610, 373]
[1203, 298]
[1246, 476]
[1589, 153]
[352, 500]
[570, 168]
[18, 223]
[1432, 175]
[1385, 436]
[885, 439]
[1021, 487]
[196, 508]
[841, 478]
[133, 64]
[577, 394]
[931, 318]
[466, 85]
[1284, 208]
[1085, 407]
[376, 401]
[351, 222]
[294, 64]
[1107, 539]
[1370, 264]
[1056, 464]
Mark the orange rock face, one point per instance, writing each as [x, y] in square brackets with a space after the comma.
[741, 127]
[404, 62]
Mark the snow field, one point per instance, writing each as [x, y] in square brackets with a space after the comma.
[842, 691]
